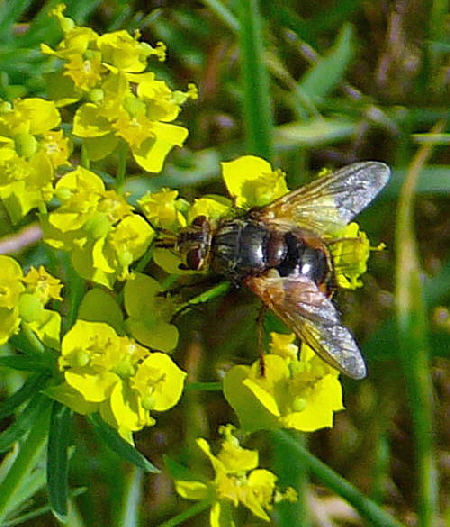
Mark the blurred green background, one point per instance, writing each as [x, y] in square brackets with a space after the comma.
[307, 85]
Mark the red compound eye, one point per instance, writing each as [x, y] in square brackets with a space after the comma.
[194, 259]
[200, 221]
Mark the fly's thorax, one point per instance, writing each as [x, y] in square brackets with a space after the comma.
[245, 246]
[194, 243]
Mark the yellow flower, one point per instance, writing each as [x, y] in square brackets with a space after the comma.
[164, 209]
[213, 207]
[11, 288]
[237, 481]
[42, 284]
[159, 382]
[115, 376]
[26, 168]
[150, 313]
[350, 255]
[123, 51]
[123, 101]
[98, 226]
[251, 182]
[294, 393]
[57, 147]
[84, 72]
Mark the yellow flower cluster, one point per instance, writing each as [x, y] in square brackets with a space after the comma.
[97, 226]
[301, 393]
[23, 300]
[116, 377]
[120, 101]
[30, 151]
[237, 481]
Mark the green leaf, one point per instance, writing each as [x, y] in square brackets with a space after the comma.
[24, 422]
[116, 443]
[257, 113]
[329, 71]
[368, 509]
[32, 385]
[179, 472]
[313, 132]
[100, 306]
[27, 363]
[58, 459]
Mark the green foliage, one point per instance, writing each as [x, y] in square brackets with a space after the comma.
[305, 86]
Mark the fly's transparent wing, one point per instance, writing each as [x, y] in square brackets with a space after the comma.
[312, 316]
[330, 202]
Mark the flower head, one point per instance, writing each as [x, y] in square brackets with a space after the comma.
[237, 481]
[115, 376]
[98, 226]
[251, 182]
[120, 101]
[294, 393]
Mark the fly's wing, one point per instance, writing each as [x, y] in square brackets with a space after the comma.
[312, 316]
[330, 202]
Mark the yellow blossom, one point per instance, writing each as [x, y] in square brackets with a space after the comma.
[164, 209]
[98, 226]
[42, 284]
[251, 182]
[11, 288]
[293, 393]
[115, 376]
[237, 481]
[350, 253]
[121, 100]
[26, 168]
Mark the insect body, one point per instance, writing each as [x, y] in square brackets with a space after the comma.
[280, 252]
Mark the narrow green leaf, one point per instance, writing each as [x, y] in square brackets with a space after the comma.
[31, 386]
[257, 112]
[58, 460]
[10, 13]
[132, 499]
[368, 509]
[26, 363]
[413, 341]
[24, 422]
[116, 443]
[14, 485]
[314, 132]
[329, 71]
[177, 471]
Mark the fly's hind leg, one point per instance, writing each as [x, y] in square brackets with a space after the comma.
[260, 321]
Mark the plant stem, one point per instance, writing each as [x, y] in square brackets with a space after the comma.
[257, 112]
[413, 340]
[365, 506]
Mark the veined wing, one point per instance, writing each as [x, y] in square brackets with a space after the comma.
[312, 316]
[330, 202]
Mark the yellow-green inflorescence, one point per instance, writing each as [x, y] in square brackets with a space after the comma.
[237, 481]
[114, 358]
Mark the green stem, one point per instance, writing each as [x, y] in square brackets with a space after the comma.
[185, 515]
[85, 160]
[129, 515]
[413, 341]
[257, 112]
[366, 507]
[206, 296]
[224, 14]
[121, 166]
[28, 456]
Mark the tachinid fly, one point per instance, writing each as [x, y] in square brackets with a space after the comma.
[280, 252]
